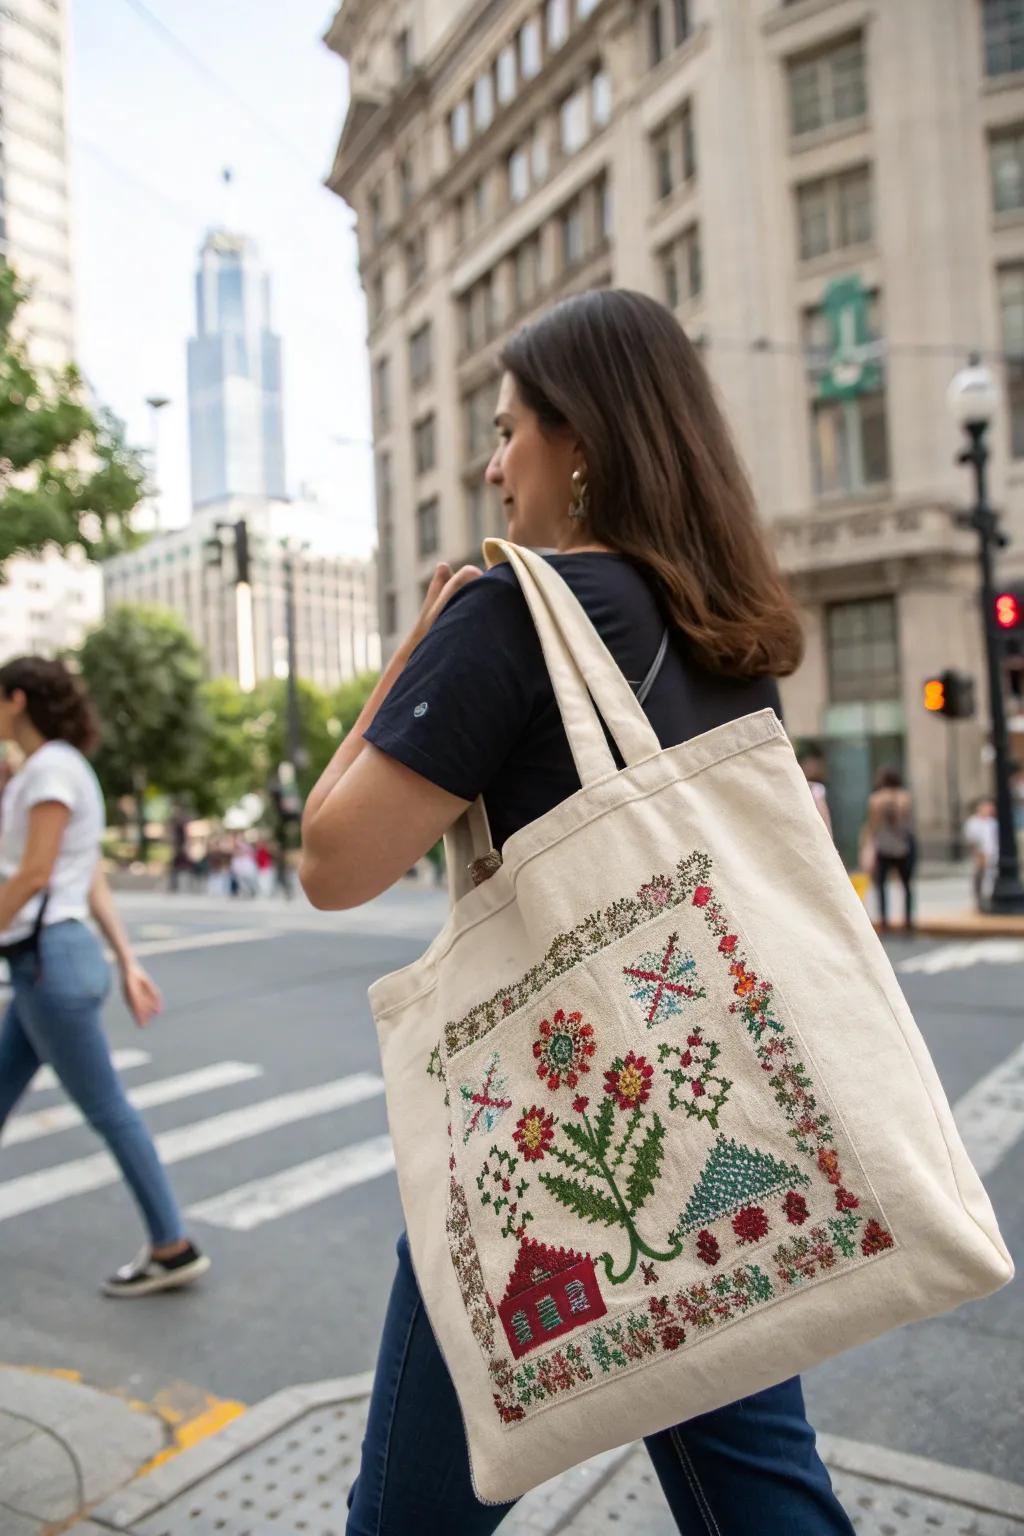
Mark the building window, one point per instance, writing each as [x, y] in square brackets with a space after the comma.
[674, 153]
[421, 359]
[428, 536]
[527, 277]
[478, 314]
[557, 24]
[828, 88]
[458, 126]
[383, 394]
[682, 273]
[478, 201]
[1011, 316]
[415, 259]
[863, 651]
[483, 101]
[478, 416]
[600, 98]
[547, 1311]
[1006, 161]
[576, 1296]
[1003, 27]
[518, 175]
[406, 183]
[424, 453]
[377, 296]
[655, 34]
[571, 223]
[403, 54]
[572, 122]
[539, 158]
[584, 8]
[834, 213]
[529, 49]
[390, 612]
[506, 73]
[478, 522]
[849, 435]
[386, 532]
[376, 210]
[668, 27]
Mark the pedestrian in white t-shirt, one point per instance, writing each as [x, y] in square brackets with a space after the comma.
[51, 824]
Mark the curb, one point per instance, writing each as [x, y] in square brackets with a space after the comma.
[149, 1494]
[958, 925]
[916, 1474]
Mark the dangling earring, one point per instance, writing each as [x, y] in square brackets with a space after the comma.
[579, 506]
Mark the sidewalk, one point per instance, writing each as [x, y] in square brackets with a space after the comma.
[283, 1469]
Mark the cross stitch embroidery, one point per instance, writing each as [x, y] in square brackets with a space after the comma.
[696, 1087]
[563, 1049]
[735, 1176]
[661, 982]
[483, 1106]
[534, 1133]
[501, 1191]
[549, 1292]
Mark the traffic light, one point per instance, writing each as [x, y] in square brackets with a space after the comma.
[1009, 610]
[951, 694]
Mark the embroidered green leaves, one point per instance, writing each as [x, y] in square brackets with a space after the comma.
[501, 1192]
[613, 1160]
[733, 1177]
[696, 1086]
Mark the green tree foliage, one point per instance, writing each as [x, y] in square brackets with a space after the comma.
[67, 477]
[144, 672]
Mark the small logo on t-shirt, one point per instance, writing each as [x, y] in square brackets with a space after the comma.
[420, 710]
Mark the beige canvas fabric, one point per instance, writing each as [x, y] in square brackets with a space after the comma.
[666, 1131]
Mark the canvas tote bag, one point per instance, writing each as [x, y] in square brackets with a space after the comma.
[666, 1132]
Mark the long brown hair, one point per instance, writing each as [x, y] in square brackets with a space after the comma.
[666, 486]
[55, 701]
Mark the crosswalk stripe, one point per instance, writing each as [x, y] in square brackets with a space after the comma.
[122, 1060]
[206, 940]
[250, 1205]
[83, 1174]
[990, 1116]
[961, 956]
[221, 1074]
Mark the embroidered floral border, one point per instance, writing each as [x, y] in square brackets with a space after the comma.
[667, 1320]
[599, 929]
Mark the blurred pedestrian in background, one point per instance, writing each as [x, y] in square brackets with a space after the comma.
[890, 828]
[981, 834]
[812, 761]
[51, 825]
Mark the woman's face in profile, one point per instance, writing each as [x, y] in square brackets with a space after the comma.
[532, 471]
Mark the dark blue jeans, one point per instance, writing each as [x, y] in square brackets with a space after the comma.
[746, 1470]
[55, 1017]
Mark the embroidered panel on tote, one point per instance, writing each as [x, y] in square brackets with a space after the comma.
[759, 1202]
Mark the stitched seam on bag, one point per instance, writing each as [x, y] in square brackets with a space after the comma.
[426, 958]
[690, 1473]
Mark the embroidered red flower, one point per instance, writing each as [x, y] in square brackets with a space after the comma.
[563, 1045]
[671, 1336]
[702, 895]
[750, 1224]
[580, 1103]
[707, 1248]
[828, 1162]
[728, 944]
[795, 1207]
[846, 1200]
[697, 1088]
[695, 1039]
[746, 981]
[876, 1239]
[686, 1058]
[629, 1081]
[534, 1133]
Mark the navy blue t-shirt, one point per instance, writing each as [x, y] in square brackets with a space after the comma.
[474, 712]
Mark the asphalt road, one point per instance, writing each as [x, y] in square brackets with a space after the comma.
[268, 1006]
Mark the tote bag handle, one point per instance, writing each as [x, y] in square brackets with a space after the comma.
[583, 672]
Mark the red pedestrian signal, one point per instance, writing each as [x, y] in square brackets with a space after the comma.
[1008, 610]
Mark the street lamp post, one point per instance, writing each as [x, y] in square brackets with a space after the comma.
[156, 404]
[973, 399]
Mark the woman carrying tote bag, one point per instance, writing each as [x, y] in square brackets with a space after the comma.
[612, 455]
[51, 823]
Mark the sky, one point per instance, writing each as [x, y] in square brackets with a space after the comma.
[150, 132]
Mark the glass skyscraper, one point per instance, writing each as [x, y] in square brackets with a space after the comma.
[236, 424]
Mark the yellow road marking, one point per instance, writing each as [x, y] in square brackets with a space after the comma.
[218, 1413]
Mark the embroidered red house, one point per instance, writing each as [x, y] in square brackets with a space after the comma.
[550, 1291]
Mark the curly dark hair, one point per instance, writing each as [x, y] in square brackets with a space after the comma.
[55, 701]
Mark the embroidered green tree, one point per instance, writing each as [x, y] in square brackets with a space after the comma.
[596, 1149]
[733, 1176]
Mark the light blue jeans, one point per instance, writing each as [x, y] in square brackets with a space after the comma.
[55, 1017]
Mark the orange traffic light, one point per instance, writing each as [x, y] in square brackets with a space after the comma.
[935, 695]
[1008, 610]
